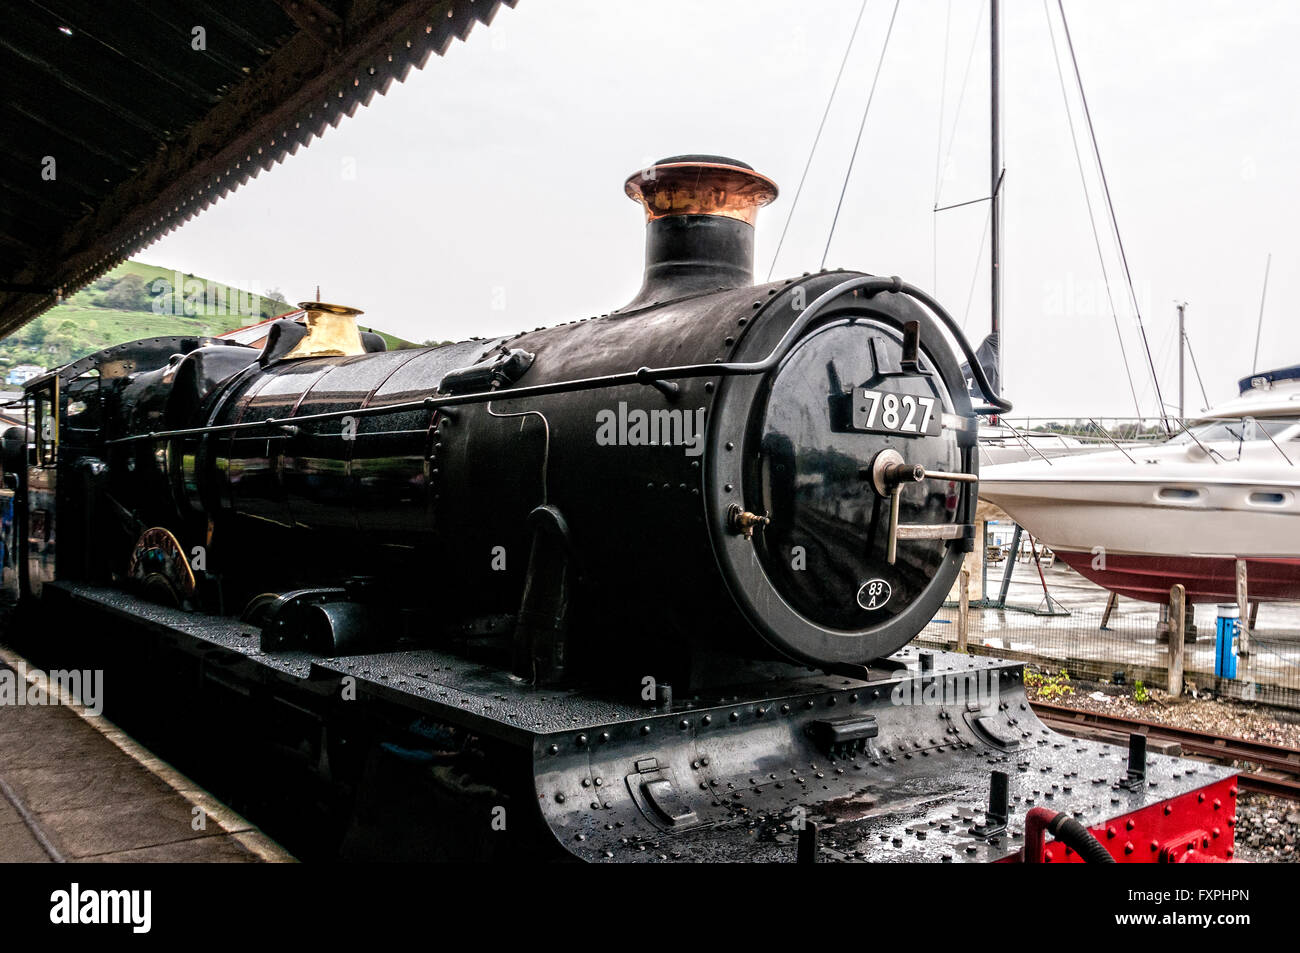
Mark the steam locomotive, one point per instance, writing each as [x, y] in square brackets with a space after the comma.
[711, 515]
[713, 452]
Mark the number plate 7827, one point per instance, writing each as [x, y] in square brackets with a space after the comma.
[877, 411]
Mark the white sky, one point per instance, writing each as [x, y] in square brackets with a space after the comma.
[484, 195]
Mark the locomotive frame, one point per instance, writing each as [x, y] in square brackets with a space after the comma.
[928, 757]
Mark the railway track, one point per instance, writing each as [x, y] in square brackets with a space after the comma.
[1278, 766]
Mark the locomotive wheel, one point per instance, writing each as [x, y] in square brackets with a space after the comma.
[258, 608]
[159, 566]
[158, 588]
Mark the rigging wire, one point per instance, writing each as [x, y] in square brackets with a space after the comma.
[861, 126]
[979, 260]
[938, 152]
[817, 138]
[1200, 383]
[1259, 325]
[1105, 185]
[961, 97]
[1092, 219]
[1163, 358]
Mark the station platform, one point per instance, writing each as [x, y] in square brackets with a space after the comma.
[74, 788]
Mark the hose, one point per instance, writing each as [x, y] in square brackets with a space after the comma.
[1041, 821]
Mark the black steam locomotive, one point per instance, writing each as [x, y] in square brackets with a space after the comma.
[716, 471]
[662, 563]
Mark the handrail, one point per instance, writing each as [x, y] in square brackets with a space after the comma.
[1027, 444]
[656, 377]
[1208, 452]
[1288, 460]
[1105, 434]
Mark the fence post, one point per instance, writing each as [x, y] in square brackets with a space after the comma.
[963, 609]
[1111, 602]
[1177, 620]
[1243, 611]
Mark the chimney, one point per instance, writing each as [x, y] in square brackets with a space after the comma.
[700, 213]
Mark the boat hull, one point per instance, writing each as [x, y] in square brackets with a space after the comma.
[1148, 577]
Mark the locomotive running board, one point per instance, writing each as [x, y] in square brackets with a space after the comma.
[895, 766]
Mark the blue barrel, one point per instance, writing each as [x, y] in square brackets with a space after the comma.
[1225, 641]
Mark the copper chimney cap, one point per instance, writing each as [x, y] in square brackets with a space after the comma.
[700, 185]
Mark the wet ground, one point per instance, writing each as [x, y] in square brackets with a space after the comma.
[1131, 638]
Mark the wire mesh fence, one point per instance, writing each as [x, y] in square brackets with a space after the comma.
[1132, 648]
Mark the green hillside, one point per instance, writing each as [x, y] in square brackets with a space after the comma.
[136, 300]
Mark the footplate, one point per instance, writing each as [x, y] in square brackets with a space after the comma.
[895, 769]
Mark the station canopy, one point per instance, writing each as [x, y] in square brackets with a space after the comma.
[121, 121]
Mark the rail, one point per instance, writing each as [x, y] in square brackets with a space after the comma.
[1128, 434]
[1281, 764]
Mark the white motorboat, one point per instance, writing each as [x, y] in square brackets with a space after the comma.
[1138, 519]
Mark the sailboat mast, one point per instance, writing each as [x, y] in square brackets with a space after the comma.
[995, 172]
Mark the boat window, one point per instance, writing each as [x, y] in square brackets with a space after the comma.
[1235, 431]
